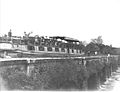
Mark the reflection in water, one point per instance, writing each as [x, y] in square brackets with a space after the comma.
[112, 83]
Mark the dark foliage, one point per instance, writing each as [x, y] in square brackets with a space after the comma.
[91, 48]
[63, 75]
[47, 76]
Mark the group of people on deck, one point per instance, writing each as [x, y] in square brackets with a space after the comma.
[43, 41]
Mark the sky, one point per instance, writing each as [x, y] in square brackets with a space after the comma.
[79, 19]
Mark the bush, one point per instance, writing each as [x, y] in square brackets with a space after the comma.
[47, 76]
[59, 75]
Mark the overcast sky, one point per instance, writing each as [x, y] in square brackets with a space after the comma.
[79, 19]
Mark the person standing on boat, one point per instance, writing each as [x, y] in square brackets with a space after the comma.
[10, 34]
[36, 40]
[27, 35]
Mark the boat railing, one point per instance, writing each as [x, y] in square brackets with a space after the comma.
[39, 42]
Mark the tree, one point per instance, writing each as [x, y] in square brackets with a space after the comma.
[84, 43]
[105, 49]
[97, 45]
[97, 40]
[82, 47]
[91, 48]
[108, 50]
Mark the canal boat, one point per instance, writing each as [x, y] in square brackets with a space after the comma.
[39, 46]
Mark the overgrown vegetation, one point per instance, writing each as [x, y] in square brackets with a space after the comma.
[96, 45]
[51, 76]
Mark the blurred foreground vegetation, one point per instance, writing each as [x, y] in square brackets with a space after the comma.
[51, 76]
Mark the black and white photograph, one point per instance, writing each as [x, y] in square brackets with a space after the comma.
[60, 45]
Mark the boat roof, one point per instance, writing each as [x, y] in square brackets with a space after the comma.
[65, 38]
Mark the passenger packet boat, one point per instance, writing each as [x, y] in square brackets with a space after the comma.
[39, 46]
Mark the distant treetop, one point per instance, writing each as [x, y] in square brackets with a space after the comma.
[97, 40]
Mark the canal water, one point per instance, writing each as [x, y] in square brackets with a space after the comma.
[112, 83]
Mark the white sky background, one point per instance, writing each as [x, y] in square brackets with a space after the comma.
[79, 19]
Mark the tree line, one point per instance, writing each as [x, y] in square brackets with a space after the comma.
[96, 47]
